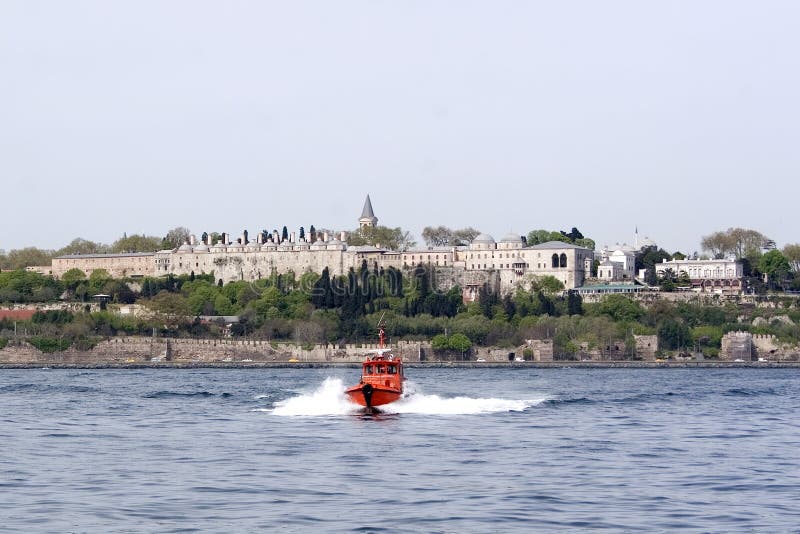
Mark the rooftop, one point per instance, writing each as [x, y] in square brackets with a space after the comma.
[118, 255]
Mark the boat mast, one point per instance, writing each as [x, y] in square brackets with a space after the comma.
[381, 333]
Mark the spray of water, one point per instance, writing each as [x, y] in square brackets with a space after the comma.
[329, 399]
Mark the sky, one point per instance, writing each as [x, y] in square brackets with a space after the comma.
[678, 118]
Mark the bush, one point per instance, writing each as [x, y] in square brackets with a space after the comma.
[49, 344]
[3, 343]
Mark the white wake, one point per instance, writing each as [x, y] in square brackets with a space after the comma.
[329, 399]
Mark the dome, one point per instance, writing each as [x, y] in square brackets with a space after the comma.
[186, 247]
[201, 248]
[511, 238]
[483, 238]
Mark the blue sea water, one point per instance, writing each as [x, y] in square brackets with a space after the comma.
[469, 450]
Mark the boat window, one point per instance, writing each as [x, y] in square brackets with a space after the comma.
[367, 369]
[378, 369]
[392, 370]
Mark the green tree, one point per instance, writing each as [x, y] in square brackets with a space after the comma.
[73, 277]
[674, 334]
[82, 246]
[171, 308]
[620, 308]
[390, 238]
[547, 284]
[137, 243]
[537, 237]
[775, 265]
[459, 342]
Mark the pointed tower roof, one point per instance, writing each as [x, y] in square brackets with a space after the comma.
[367, 212]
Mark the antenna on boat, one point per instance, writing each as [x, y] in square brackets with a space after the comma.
[381, 332]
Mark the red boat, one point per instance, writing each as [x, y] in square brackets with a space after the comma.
[381, 378]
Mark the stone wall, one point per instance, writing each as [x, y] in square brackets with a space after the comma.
[737, 346]
[646, 347]
[118, 265]
[142, 349]
[542, 349]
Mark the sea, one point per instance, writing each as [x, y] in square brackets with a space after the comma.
[467, 450]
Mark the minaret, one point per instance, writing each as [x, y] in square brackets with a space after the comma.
[368, 219]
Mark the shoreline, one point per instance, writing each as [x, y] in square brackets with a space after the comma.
[411, 365]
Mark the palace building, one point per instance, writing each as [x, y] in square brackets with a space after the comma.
[504, 265]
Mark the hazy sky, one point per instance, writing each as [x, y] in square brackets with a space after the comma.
[679, 117]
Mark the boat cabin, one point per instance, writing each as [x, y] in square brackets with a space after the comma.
[382, 371]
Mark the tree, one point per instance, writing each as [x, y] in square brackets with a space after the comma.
[775, 265]
[285, 234]
[73, 277]
[459, 342]
[573, 234]
[647, 258]
[620, 308]
[137, 243]
[740, 242]
[82, 246]
[437, 236]
[464, 236]
[172, 308]
[176, 237]
[537, 237]
[27, 257]
[674, 334]
[574, 303]
[792, 254]
[391, 238]
[547, 284]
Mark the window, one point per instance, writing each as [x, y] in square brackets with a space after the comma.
[392, 369]
[563, 260]
[368, 370]
[554, 261]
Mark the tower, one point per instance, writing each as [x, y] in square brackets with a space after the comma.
[367, 219]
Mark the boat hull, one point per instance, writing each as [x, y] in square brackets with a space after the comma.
[379, 396]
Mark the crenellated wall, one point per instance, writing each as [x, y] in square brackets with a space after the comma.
[142, 349]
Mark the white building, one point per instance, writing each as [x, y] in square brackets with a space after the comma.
[717, 276]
